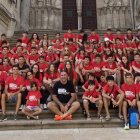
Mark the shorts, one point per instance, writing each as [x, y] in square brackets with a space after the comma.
[92, 105]
[13, 100]
[32, 108]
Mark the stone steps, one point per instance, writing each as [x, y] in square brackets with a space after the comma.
[65, 124]
[51, 34]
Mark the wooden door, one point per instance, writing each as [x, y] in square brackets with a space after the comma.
[70, 20]
[89, 17]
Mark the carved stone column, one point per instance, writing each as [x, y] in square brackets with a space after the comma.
[79, 12]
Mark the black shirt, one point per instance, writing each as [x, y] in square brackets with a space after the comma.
[63, 91]
[24, 67]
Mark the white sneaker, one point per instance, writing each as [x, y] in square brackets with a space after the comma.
[139, 126]
[126, 127]
[28, 118]
[41, 106]
[44, 106]
[21, 107]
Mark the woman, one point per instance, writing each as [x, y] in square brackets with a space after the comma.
[50, 77]
[34, 38]
[67, 52]
[44, 41]
[72, 75]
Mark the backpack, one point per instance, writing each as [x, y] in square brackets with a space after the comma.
[133, 118]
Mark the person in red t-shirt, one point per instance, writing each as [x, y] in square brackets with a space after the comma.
[57, 48]
[13, 86]
[32, 109]
[111, 68]
[50, 78]
[119, 35]
[6, 65]
[68, 35]
[51, 57]
[136, 63]
[57, 36]
[45, 41]
[14, 49]
[84, 69]
[131, 96]
[103, 81]
[129, 35]
[130, 47]
[33, 57]
[72, 75]
[111, 92]
[109, 36]
[42, 64]
[91, 97]
[34, 38]
[93, 37]
[91, 77]
[25, 39]
[79, 38]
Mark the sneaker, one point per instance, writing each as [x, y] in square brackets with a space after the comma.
[21, 107]
[139, 126]
[28, 118]
[126, 127]
[44, 107]
[36, 117]
[41, 106]
[88, 118]
[3, 117]
[15, 117]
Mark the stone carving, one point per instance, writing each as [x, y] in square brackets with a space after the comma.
[137, 13]
[51, 15]
[114, 14]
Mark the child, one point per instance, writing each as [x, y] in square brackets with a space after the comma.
[92, 97]
[33, 102]
[111, 92]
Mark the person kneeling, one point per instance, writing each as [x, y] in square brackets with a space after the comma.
[91, 98]
[64, 102]
[32, 109]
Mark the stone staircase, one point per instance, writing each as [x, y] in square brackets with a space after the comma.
[46, 120]
[51, 34]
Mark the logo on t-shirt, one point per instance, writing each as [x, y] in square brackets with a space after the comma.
[32, 98]
[129, 94]
[13, 86]
[62, 91]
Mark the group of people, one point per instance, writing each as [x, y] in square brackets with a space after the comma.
[45, 73]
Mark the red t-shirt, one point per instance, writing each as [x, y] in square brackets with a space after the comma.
[73, 48]
[14, 84]
[33, 97]
[67, 36]
[93, 38]
[93, 94]
[99, 66]
[6, 68]
[42, 66]
[27, 83]
[60, 39]
[33, 59]
[110, 66]
[96, 84]
[51, 76]
[110, 37]
[130, 91]
[137, 65]
[16, 57]
[113, 92]
[51, 57]
[3, 77]
[25, 40]
[120, 36]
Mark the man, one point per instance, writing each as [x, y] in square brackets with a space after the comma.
[64, 102]
[131, 96]
[12, 92]
[112, 93]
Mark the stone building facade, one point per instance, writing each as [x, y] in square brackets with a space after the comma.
[63, 14]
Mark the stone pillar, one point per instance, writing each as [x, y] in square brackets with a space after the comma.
[79, 12]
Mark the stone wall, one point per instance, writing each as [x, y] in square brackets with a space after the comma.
[9, 16]
[114, 14]
[46, 14]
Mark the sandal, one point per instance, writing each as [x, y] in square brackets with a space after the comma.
[107, 118]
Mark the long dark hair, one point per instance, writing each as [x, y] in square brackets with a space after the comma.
[32, 37]
[37, 75]
[70, 73]
[48, 70]
[126, 66]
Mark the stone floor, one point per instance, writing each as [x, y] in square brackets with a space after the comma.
[72, 134]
